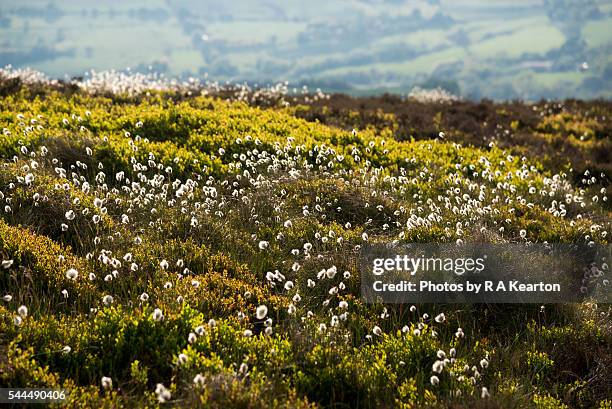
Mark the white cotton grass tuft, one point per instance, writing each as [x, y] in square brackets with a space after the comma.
[199, 381]
[22, 311]
[261, 312]
[7, 264]
[434, 380]
[107, 383]
[72, 274]
[182, 359]
[163, 393]
[157, 315]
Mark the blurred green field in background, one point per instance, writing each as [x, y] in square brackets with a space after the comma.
[497, 49]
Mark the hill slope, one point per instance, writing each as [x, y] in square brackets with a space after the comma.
[209, 247]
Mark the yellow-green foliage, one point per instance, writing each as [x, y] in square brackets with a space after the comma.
[44, 273]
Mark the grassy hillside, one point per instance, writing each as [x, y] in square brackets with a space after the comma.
[566, 136]
[190, 251]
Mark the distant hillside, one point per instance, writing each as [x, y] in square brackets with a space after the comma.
[528, 49]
